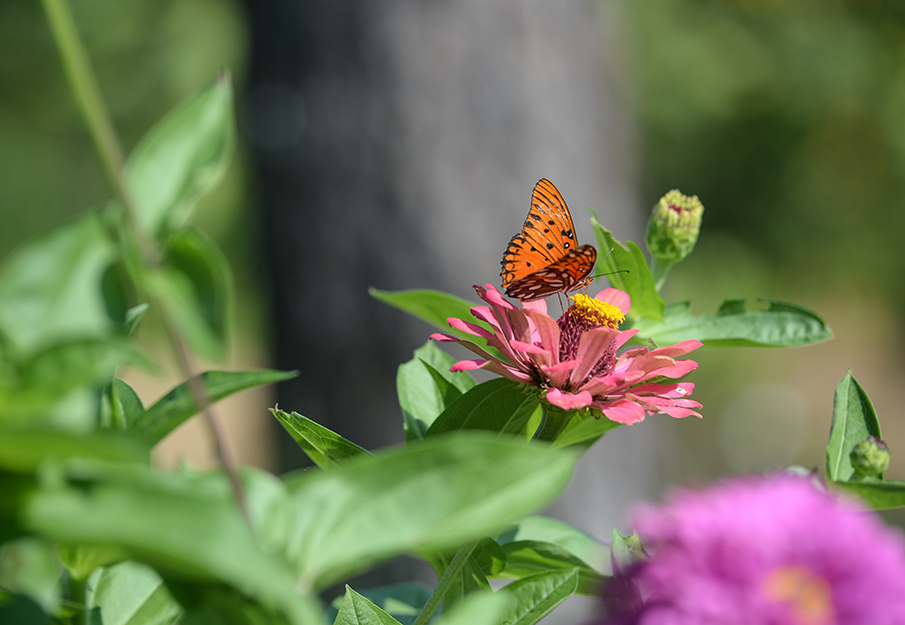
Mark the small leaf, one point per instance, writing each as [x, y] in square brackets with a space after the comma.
[422, 396]
[854, 419]
[436, 495]
[181, 158]
[781, 325]
[133, 317]
[51, 288]
[578, 543]
[433, 307]
[30, 567]
[527, 557]
[498, 405]
[178, 405]
[626, 551]
[23, 451]
[325, 447]
[401, 601]
[489, 556]
[131, 594]
[125, 404]
[359, 610]
[480, 608]
[878, 494]
[639, 284]
[537, 595]
[583, 431]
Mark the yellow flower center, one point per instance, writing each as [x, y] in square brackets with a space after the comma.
[595, 312]
[808, 596]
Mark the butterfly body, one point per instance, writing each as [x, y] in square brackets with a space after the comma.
[545, 258]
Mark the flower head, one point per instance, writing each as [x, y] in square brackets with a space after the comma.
[673, 228]
[575, 360]
[773, 550]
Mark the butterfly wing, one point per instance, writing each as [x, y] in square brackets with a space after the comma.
[547, 236]
[570, 272]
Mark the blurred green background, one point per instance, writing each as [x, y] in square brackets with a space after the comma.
[786, 118]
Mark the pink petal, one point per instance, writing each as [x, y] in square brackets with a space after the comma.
[489, 294]
[619, 299]
[679, 349]
[679, 413]
[548, 335]
[528, 348]
[673, 391]
[681, 368]
[611, 384]
[592, 345]
[569, 401]
[469, 328]
[559, 373]
[623, 338]
[538, 306]
[468, 365]
[623, 411]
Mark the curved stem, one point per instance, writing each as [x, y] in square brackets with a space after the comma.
[553, 421]
[659, 269]
[444, 584]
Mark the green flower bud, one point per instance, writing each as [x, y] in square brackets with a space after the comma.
[673, 227]
[870, 457]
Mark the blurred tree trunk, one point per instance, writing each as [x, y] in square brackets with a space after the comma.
[396, 146]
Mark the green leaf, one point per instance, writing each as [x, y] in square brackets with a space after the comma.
[52, 288]
[125, 404]
[130, 594]
[29, 567]
[22, 610]
[425, 387]
[359, 610]
[194, 286]
[133, 317]
[24, 450]
[583, 431]
[433, 307]
[878, 494]
[436, 495]
[480, 608]
[854, 419]
[626, 550]
[498, 405]
[490, 556]
[178, 405]
[578, 543]
[781, 325]
[527, 557]
[470, 578]
[537, 595]
[185, 525]
[401, 601]
[639, 284]
[181, 158]
[325, 447]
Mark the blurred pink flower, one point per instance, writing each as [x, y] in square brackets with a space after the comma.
[574, 359]
[772, 550]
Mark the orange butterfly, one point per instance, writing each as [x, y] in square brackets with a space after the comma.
[543, 258]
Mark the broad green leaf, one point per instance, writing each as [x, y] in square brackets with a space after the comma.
[580, 544]
[29, 567]
[490, 556]
[215, 604]
[480, 608]
[583, 431]
[527, 557]
[52, 288]
[125, 404]
[401, 601]
[178, 405]
[436, 495]
[470, 579]
[181, 158]
[498, 405]
[626, 550]
[433, 307]
[536, 595]
[24, 450]
[639, 283]
[22, 610]
[82, 560]
[854, 419]
[878, 494]
[130, 594]
[325, 447]
[781, 325]
[185, 525]
[422, 396]
[194, 286]
[359, 610]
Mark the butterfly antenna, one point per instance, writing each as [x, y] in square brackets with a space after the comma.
[597, 276]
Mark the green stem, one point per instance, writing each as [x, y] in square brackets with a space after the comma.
[659, 269]
[79, 599]
[444, 584]
[553, 421]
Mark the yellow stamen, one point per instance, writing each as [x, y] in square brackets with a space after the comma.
[808, 596]
[595, 312]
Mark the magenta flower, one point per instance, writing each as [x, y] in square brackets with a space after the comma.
[575, 360]
[769, 550]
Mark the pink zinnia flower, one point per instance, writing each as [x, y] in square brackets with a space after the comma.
[773, 550]
[574, 359]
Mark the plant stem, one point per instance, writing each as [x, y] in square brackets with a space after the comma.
[91, 105]
[78, 597]
[553, 421]
[659, 269]
[444, 584]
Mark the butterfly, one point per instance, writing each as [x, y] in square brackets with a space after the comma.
[544, 258]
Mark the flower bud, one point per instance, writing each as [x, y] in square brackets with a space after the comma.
[870, 457]
[673, 227]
